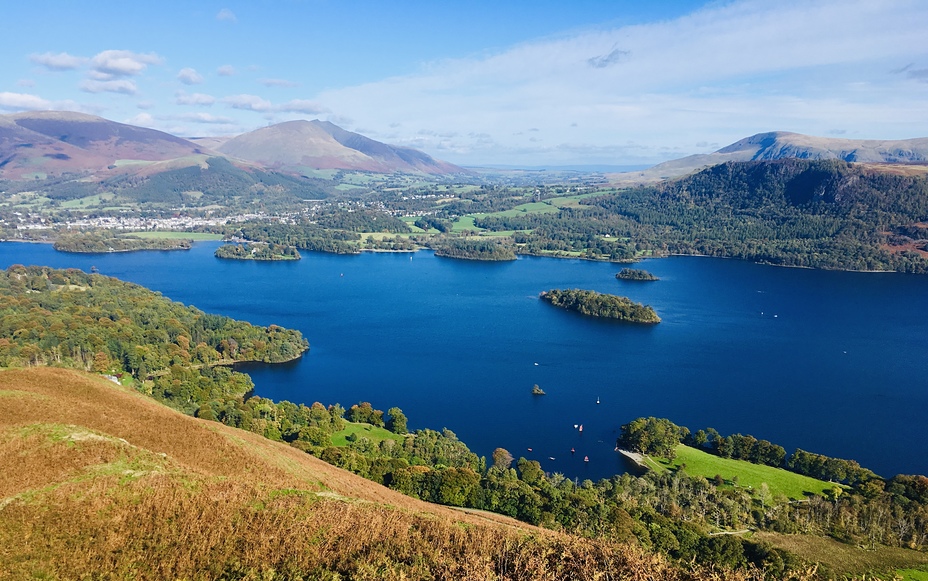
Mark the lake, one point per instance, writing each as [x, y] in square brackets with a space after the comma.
[830, 362]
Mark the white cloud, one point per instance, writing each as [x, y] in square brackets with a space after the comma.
[248, 103]
[205, 118]
[122, 86]
[23, 102]
[182, 98]
[225, 71]
[716, 75]
[112, 64]
[226, 15]
[58, 62]
[189, 76]
[302, 106]
[277, 83]
[142, 120]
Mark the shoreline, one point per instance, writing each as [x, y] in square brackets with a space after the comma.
[518, 254]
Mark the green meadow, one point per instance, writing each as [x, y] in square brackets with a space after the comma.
[373, 433]
[698, 463]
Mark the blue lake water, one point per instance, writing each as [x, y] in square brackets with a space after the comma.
[831, 362]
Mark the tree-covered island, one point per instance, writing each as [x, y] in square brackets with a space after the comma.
[603, 305]
[635, 274]
[258, 251]
[105, 241]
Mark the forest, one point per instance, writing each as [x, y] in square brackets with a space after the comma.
[176, 353]
[819, 214]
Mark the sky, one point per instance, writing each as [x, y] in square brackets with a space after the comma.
[540, 83]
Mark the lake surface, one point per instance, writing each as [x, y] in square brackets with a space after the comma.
[831, 362]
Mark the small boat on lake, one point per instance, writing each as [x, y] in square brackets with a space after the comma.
[586, 458]
[597, 401]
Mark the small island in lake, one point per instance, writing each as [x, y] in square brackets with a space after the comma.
[258, 251]
[537, 390]
[97, 242]
[635, 274]
[596, 304]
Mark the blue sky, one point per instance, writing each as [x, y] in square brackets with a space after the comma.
[518, 83]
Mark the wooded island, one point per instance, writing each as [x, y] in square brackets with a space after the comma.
[258, 251]
[635, 274]
[601, 305]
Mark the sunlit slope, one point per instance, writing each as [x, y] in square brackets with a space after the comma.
[99, 481]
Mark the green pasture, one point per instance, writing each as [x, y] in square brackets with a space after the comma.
[465, 223]
[373, 433]
[779, 481]
[93, 200]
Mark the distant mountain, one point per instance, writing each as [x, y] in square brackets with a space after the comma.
[783, 145]
[306, 145]
[56, 142]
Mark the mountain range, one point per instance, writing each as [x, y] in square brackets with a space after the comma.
[48, 143]
[783, 144]
[52, 143]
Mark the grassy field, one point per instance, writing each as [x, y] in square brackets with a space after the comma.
[179, 235]
[368, 431]
[529, 208]
[851, 559]
[465, 223]
[88, 201]
[699, 463]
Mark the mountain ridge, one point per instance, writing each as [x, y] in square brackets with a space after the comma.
[316, 144]
[42, 143]
[774, 145]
